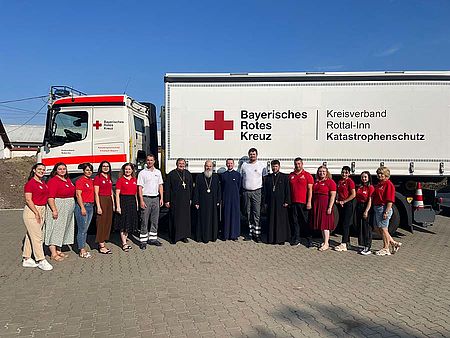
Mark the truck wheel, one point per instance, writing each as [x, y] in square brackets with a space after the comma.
[394, 222]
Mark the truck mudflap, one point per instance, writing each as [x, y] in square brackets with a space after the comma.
[404, 214]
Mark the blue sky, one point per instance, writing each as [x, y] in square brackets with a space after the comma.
[100, 46]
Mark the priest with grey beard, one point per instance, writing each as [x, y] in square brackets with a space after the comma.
[207, 198]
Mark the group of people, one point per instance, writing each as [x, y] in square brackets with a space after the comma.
[52, 207]
[296, 205]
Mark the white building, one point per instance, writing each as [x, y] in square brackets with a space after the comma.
[20, 140]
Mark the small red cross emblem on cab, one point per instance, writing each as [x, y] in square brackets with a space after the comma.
[97, 125]
[219, 124]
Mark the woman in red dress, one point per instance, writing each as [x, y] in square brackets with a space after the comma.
[324, 194]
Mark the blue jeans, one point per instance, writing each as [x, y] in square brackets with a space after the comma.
[83, 223]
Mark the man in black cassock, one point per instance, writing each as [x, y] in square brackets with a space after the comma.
[277, 199]
[207, 196]
[231, 183]
[177, 197]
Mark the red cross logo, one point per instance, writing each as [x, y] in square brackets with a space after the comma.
[97, 124]
[219, 125]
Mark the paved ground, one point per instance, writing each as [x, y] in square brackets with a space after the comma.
[229, 289]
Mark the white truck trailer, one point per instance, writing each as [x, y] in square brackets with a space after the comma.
[363, 120]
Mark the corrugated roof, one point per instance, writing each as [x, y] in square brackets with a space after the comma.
[25, 134]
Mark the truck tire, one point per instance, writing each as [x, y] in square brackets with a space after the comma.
[394, 222]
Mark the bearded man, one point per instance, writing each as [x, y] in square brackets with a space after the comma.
[207, 197]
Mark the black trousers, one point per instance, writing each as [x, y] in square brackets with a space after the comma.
[347, 220]
[300, 226]
[364, 227]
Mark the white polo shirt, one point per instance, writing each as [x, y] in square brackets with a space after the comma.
[252, 174]
[150, 180]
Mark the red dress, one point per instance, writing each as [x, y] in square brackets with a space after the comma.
[320, 200]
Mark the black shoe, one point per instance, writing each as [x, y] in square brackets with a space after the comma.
[154, 242]
[143, 246]
[309, 243]
[295, 243]
[235, 239]
[185, 240]
[247, 238]
[257, 239]
[282, 243]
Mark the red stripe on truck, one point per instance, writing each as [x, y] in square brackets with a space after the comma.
[83, 159]
[89, 99]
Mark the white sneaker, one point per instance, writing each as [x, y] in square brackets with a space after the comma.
[29, 263]
[383, 252]
[365, 252]
[44, 265]
[341, 247]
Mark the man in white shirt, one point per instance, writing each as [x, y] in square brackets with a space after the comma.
[150, 191]
[252, 181]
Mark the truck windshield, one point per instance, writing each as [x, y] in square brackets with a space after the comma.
[69, 127]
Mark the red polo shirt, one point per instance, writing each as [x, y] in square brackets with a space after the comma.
[104, 185]
[38, 190]
[299, 185]
[384, 193]
[344, 188]
[127, 187]
[57, 188]
[364, 192]
[324, 187]
[86, 185]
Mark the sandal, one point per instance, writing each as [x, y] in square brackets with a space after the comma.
[126, 247]
[62, 254]
[57, 258]
[396, 246]
[107, 252]
[85, 255]
[324, 248]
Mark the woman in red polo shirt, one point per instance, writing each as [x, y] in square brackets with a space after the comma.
[126, 204]
[345, 195]
[324, 194]
[59, 218]
[104, 201]
[383, 199]
[84, 209]
[363, 206]
[36, 196]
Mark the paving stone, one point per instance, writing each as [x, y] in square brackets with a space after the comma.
[231, 289]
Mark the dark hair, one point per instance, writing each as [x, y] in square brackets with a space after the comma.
[346, 168]
[151, 155]
[180, 159]
[251, 150]
[55, 168]
[274, 162]
[83, 166]
[369, 182]
[298, 159]
[99, 171]
[229, 159]
[122, 170]
[33, 168]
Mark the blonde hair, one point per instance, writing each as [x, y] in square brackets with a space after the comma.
[385, 171]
